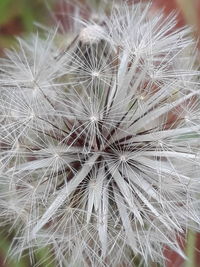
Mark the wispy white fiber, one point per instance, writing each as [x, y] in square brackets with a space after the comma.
[99, 140]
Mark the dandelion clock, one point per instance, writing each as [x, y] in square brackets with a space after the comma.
[99, 140]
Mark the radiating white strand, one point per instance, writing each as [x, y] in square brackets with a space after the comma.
[63, 195]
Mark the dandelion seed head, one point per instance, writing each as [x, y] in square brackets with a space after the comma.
[99, 155]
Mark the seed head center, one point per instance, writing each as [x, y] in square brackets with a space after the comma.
[95, 74]
[93, 118]
[123, 158]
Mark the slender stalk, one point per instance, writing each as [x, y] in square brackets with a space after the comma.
[190, 249]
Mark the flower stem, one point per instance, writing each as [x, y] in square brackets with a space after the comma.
[190, 249]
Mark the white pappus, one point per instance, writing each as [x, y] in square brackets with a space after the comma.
[99, 140]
